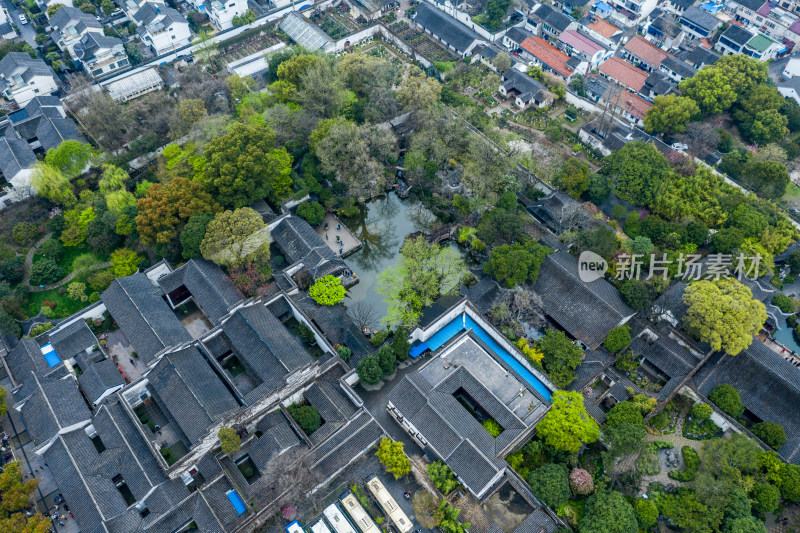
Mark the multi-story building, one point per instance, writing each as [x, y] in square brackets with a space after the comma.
[578, 44]
[540, 53]
[162, 28]
[22, 78]
[101, 55]
[769, 19]
[644, 54]
[548, 23]
[699, 23]
[221, 12]
[70, 25]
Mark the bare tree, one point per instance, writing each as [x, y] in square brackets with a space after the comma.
[363, 314]
[287, 479]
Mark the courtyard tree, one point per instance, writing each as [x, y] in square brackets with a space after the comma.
[618, 338]
[726, 397]
[502, 62]
[306, 416]
[561, 356]
[50, 182]
[328, 290]
[442, 477]
[636, 172]
[670, 114]
[550, 483]
[124, 262]
[767, 178]
[771, 433]
[581, 482]
[723, 313]
[608, 512]
[165, 209]
[369, 370]
[193, 233]
[424, 272]
[313, 212]
[573, 178]
[71, 157]
[236, 238]
[244, 165]
[567, 426]
[514, 264]
[417, 90]
[391, 455]
[229, 440]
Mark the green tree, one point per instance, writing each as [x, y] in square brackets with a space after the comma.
[52, 248]
[424, 272]
[77, 291]
[313, 212]
[101, 233]
[636, 172]
[229, 440]
[328, 290]
[637, 294]
[561, 356]
[3, 404]
[45, 271]
[390, 454]
[771, 433]
[448, 516]
[124, 262]
[618, 338]
[550, 483]
[670, 114]
[723, 313]
[442, 477]
[573, 178]
[387, 360]
[134, 53]
[646, 513]
[608, 512]
[237, 238]
[306, 416]
[245, 165]
[702, 411]
[502, 62]
[744, 73]
[165, 209]
[624, 412]
[789, 482]
[767, 178]
[726, 397]
[514, 264]
[567, 425]
[49, 182]
[711, 89]
[369, 370]
[193, 233]
[765, 498]
[71, 157]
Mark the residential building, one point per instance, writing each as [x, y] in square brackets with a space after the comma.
[677, 69]
[583, 47]
[369, 9]
[472, 365]
[595, 87]
[568, 300]
[101, 55]
[22, 78]
[221, 12]
[303, 248]
[790, 88]
[69, 25]
[698, 56]
[162, 28]
[525, 90]
[548, 57]
[6, 31]
[791, 69]
[769, 18]
[447, 30]
[733, 40]
[634, 10]
[763, 48]
[602, 28]
[513, 38]
[644, 54]
[699, 23]
[304, 33]
[568, 7]
[658, 83]
[664, 31]
[616, 69]
[678, 6]
[203, 283]
[631, 107]
[548, 23]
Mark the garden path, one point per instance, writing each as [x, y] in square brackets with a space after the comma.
[29, 258]
[680, 441]
[69, 278]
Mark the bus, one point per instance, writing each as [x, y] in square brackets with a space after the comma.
[337, 520]
[357, 513]
[389, 505]
[294, 527]
[320, 527]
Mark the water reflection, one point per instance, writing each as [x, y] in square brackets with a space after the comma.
[381, 226]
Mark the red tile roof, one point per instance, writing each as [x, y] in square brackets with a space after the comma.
[634, 104]
[646, 51]
[548, 55]
[604, 28]
[625, 73]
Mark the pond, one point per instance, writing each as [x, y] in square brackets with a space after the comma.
[786, 338]
[381, 227]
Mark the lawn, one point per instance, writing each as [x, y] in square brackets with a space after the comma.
[71, 253]
[65, 305]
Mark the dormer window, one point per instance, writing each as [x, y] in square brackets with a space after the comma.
[123, 489]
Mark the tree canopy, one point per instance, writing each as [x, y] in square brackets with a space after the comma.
[390, 453]
[235, 238]
[514, 264]
[637, 171]
[567, 426]
[165, 209]
[670, 114]
[608, 512]
[327, 290]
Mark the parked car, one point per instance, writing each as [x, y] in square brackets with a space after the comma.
[22, 19]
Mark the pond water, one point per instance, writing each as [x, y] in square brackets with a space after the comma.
[381, 227]
[786, 338]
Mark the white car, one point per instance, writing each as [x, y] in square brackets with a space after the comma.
[22, 19]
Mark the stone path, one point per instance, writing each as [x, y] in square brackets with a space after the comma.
[69, 278]
[29, 258]
[680, 441]
[26, 279]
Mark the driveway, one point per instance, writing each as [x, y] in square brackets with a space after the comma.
[27, 31]
[776, 67]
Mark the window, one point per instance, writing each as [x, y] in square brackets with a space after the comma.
[123, 489]
[98, 444]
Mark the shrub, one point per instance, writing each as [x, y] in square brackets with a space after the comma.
[313, 212]
[344, 352]
[52, 249]
[442, 477]
[727, 398]
[24, 232]
[581, 482]
[328, 290]
[390, 453]
[493, 427]
[369, 371]
[12, 269]
[400, 345]
[701, 412]
[100, 281]
[386, 359]
[783, 302]
[646, 513]
[618, 338]
[380, 337]
[45, 271]
[550, 483]
[691, 462]
[771, 433]
[306, 416]
[229, 440]
[306, 334]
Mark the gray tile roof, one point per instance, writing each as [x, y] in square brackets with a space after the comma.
[484, 294]
[277, 435]
[191, 393]
[768, 385]
[98, 378]
[588, 311]
[73, 339]
[359, 434]
[143, 315]
[210, 288]
[445, 27]
[752, 5]
[300, 242]
[26, 358]
[698, 57]
[553, 18]
[518, 34]
[22, 64]
[91, 44]
[54, 405]
[658, 83]
[524, 84]
[15, 156]
[264, 345]
[737, 34]
[72, 16]
[680, 67]
[700, 17]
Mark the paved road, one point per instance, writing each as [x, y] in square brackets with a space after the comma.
[28, 33]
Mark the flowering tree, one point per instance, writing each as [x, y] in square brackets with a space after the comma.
[581, 482]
